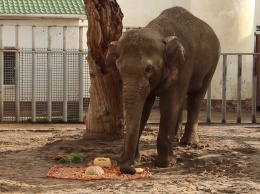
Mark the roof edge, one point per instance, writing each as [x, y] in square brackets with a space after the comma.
[43, 16]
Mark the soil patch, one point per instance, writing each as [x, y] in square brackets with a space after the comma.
[226, 162]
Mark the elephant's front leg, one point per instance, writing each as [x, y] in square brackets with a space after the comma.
[169, 108]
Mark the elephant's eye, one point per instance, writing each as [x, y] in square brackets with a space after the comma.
[149, 70]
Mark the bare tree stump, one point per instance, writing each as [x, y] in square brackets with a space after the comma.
[104, 118]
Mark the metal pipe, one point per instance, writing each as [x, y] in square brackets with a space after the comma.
[209, 104]
[224, 88]
[1, 75]
[254, 91]
[81, 74]
[239, 82]
[49, 77]
[45, 52]
[33, 76]
[65, 76]
[84, 52]
[239, 53]
[17, 75]
[254, 83]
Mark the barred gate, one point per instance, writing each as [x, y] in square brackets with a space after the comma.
[44, 93]
[253, 96]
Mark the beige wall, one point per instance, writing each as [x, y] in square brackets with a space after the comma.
[183, 3]
[257, 12]
[233, 22]
[137, 13]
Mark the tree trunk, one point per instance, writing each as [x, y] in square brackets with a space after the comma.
[104, 118]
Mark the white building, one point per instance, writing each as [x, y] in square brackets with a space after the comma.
[39, 25]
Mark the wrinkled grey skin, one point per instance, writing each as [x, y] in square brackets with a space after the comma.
[173, 57]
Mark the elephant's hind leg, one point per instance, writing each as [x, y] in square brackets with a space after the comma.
[190, 135]
[178, 130]
[194, 101]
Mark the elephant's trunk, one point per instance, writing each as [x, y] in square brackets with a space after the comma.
[133, 99]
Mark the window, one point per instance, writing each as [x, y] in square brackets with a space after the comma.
[9, 67]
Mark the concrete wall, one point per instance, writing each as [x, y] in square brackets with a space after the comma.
[257, 12]
[138, 13]
[233, 22]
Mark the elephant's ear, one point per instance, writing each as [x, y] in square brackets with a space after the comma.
[112, 55]
[174, 55]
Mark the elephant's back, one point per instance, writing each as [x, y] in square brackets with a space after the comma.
[177, 17]
[189, 30]
[181, 23]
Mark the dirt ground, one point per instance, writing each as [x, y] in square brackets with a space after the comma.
[227, 162]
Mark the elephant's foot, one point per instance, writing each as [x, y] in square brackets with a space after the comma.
[126, 166]
[125, 169]
[190, 138]
[163, 163]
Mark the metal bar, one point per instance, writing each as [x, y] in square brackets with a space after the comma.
[224, 87]
[57, 26]
[254, 89]
[65, 76]
[254, 84]
[1, 75]
[49, 77]
[17, 75]
[240, 54]
[239, 82]
[209, 104]
[80, 74]
[33, 76]
[28, 51]
[254, 54]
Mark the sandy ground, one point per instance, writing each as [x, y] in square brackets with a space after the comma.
[227, 162]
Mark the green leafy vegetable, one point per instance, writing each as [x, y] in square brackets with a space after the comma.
[73, 158]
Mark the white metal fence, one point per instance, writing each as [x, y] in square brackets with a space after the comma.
[52, 84]
[224, 57]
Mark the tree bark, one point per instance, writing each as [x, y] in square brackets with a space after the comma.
[104, 118]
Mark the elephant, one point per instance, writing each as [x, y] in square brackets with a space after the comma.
[174, 57]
